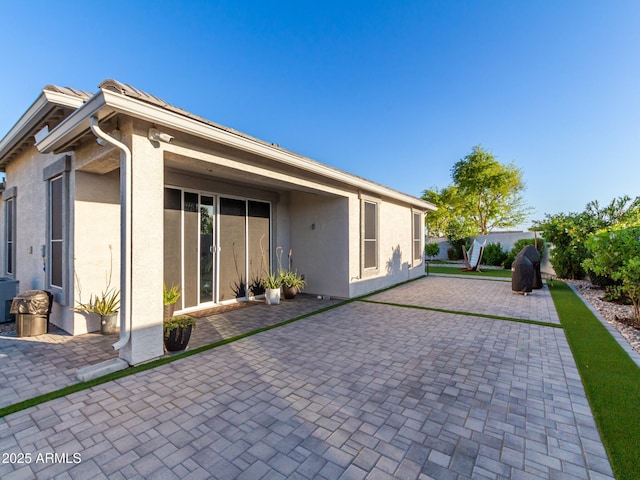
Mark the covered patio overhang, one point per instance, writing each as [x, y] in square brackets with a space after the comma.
[205, 151]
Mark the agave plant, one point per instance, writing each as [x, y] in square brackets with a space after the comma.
[107, 303]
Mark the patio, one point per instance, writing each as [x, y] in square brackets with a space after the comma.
[364, 390]
[32, 366]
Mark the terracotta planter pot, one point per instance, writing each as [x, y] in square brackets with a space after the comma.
[289, 292]
[178, 339]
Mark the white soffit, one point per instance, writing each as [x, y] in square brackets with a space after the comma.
[105, 102]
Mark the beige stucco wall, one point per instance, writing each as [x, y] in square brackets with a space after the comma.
[320, 242]
[96, 240]
[147, 205]
[25, 172]
[395, 249]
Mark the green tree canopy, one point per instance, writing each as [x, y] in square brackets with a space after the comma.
[567, 232]
[484, 195]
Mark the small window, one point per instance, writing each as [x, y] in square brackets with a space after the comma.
[10, 223]
[418, 233]
[370, 235]
[56, 237]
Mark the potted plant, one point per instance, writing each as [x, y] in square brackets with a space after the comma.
[107, 305]
[177, 332]
[292, 283]
[171, 296]
[272, 283]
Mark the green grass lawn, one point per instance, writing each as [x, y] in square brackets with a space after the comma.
[457, 269]
[610, 378]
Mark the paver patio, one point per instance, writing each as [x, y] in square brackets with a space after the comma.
[361, 391]
[31, 366]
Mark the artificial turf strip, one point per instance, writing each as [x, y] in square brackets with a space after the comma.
[459, 271]
[76, 387]
[611, 381]
[468, 314]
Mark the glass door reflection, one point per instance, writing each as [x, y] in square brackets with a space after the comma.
[207, 249]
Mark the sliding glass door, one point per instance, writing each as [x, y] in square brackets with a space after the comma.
[216, 248]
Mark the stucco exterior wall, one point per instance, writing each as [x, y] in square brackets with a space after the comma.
[3, 237]
[395, 250]
[96, 240]
[25, 173]
[147, 251]
[320, 243]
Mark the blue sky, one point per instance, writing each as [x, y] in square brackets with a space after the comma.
[393, 91]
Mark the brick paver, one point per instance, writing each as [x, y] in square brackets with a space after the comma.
[471, 294]
[32, 366]
[361, 391]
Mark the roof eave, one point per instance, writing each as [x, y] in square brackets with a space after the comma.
[74, 126]
[34, 115]
[106, 102]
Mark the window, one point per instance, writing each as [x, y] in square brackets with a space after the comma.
[370, 236]
[418, 233]
[10, 235]
[56, 237]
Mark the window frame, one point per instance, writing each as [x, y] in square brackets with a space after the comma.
[59, 170]
[10, 235]
[417, 236]
[52, 217]
[365, 268]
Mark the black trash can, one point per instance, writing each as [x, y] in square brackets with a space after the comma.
[32, 309]
[532, 254]
[521, 274]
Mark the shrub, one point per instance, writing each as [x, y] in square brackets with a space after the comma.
[523, 242]
[568, 232]
[455, 251]
[615, 253]
[431, 249]
[494, 255]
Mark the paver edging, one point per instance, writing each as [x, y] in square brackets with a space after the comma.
[469, 314]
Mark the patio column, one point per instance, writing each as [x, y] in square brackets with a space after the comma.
[147, 196]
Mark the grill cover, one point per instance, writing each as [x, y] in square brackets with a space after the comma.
[521, 274]
[534, 257]
[34, 302]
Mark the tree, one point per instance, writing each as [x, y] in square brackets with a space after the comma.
[491, 191]
[485, 195]
[450, 219]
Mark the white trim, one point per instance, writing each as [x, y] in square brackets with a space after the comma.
[35, 114]
[69, 130]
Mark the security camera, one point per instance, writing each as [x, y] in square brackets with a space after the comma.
[157, 136]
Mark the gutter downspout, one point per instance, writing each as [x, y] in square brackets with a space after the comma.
[125, 232]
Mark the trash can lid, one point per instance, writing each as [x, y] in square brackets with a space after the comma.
[35, 302]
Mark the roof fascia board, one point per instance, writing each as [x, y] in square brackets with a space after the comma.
[191, 126]
[73, 126]
[77, 122]
[35, 114]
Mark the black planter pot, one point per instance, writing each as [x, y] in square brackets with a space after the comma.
[289, 292]
[178, 339]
